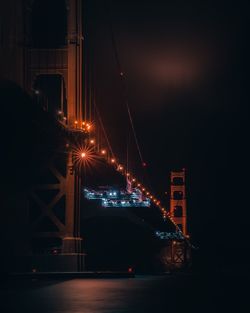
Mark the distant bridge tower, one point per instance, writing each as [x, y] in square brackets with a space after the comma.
[178, 205]
[177, 252]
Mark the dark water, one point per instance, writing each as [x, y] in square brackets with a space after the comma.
[143, 294]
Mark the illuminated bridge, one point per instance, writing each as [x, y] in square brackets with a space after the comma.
[66, 138]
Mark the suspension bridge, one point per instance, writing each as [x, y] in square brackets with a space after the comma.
[74, 135]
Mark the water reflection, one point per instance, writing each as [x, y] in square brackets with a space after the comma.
[144, 294]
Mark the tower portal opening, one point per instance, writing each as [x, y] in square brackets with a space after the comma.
[178, 211]
[50, 93]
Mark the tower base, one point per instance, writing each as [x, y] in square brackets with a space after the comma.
[69, 259]
[175, 255]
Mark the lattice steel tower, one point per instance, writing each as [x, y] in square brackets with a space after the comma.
[42, 43]
[62, 62]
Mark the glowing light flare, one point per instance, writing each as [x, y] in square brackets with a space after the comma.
[112, 160]
[84, 156]
[103, 151]
[92, 141]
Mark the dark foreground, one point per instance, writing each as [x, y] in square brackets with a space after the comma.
[143, 294]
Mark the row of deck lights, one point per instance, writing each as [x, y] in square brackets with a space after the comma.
[121, 169]
[157, 202]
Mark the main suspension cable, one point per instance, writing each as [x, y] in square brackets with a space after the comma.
[118, 63]
[103, 128]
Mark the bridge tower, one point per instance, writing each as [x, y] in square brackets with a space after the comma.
[53, 76]
[41, 51]
[177, 253]
[178, 205]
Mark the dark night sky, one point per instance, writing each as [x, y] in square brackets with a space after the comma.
[187, 84]
[185, 68]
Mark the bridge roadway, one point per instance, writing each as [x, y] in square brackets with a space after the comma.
[144, 294]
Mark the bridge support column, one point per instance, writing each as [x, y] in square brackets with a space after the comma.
[72, 242]
[72, 253]
[53, 195]
[63, 218]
